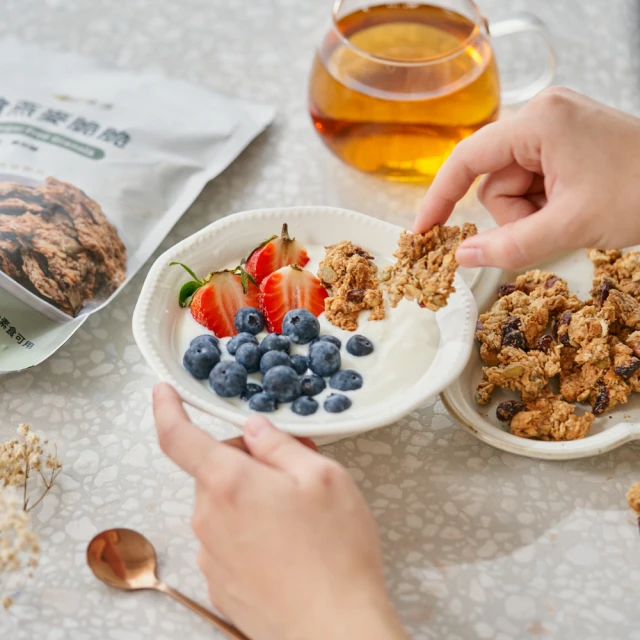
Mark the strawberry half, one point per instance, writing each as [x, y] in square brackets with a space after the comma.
[275, 253]
[215, 300]
[290, 288]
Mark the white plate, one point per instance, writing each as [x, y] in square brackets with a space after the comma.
[223, 242]
[608, 431]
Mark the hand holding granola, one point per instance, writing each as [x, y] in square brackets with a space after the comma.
[289, 547]
[560, 175]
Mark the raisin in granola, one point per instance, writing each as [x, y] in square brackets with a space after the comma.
[351, 277]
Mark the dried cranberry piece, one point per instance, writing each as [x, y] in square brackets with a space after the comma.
[550, 282]
[545, 343]
[510, 324]
[506, 289]
[514, 339]
[506, 410]
[566, 318]
[627, 370]
[564, 337]
[602, 398]
[604, 292]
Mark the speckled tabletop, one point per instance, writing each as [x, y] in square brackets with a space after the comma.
[477, 543]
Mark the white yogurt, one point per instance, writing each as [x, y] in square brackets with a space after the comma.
[405, 343]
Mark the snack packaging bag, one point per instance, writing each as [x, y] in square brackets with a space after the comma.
[96, 166]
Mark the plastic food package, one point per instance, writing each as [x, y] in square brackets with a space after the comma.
[96, 166]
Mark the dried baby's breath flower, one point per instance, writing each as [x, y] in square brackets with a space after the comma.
[20, 458]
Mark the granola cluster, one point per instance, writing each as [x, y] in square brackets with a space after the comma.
[350, 275]
[57, 243]
[538, 330]
[425, 266]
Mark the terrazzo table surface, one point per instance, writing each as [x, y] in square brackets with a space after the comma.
[477, 543]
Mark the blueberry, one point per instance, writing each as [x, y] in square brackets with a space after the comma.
[312, 385]
[346, 380]
[228, 379]
[300, 364]
[274, 359]
[248, 355]
[282, 383]
[238, 340]
[359, 346]
[249, 320]
[337, 403]
[324, 359]
[301, 326]
[304, 406]
[275, 342]
[250, 390]
[331, 339]
[262, 402]
[206, 339]
[199, 360]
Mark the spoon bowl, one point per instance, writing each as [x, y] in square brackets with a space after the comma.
[123, 559]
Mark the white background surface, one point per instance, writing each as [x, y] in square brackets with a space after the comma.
[477, 543]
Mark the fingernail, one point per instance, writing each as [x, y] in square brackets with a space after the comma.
[471, 256]
[254, 426]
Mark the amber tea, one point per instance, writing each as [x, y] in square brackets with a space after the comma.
[394, 87]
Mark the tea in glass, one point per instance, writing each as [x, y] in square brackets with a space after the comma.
[395, 87]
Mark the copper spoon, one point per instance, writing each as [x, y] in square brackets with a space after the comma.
[126, 560]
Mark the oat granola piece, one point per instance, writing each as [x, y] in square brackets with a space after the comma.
[633, 497]
[494, 325]
[622, 308]
[351, 277]
[526, 372]
[549, 283]
[549, 417]
[343, 311]
[425, 266]
[484, 391]
[622, 268]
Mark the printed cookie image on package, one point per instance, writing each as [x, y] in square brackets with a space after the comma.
[96, 166]
[57, 243]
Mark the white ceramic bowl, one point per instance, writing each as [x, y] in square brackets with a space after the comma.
[609, 431]
[221, 243]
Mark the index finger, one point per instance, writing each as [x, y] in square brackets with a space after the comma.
[189, 447]
[489, 149]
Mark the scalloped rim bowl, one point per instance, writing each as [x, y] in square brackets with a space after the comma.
[608, 432]
[223, 241]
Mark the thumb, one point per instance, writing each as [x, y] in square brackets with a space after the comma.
[521, 243]
[276, 448]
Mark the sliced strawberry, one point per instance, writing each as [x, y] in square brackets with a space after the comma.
[215, 300]
[275, 253]
[290, 288]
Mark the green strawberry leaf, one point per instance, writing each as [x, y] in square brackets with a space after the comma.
[186, 292]
[245, 278]
[184, 266]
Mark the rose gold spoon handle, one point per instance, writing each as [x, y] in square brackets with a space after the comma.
[211, 617]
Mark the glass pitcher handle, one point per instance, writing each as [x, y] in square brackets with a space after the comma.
[522, 24]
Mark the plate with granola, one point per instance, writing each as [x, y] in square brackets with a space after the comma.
[556, 369]
[328, 321]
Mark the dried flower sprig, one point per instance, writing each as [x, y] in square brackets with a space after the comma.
[21, 458]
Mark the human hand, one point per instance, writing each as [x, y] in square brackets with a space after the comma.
[289, 547]
[562, 173]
